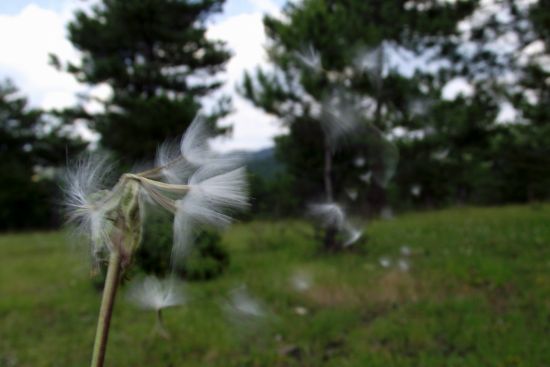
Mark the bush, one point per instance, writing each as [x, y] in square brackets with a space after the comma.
[207, 259]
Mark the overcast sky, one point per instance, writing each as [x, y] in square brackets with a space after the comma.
[30, 30]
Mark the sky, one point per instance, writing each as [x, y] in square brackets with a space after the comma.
[30, 30]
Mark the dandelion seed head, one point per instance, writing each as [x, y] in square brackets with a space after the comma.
[208, 202]
[174, 169]
[440, 155]
[84, 180]
[301, 281]
[339, 117]
[386, 213]
[366, 177]
[209, 198]
[373, 62]
[195, 146]
[352, 235]
[385, 262]
[151, 293]
[300, 311]
[190, 181]
[244, 310]
[416, 190]
[352, 193]
[86, 201]
[183, 236]
[330, 214]
[419, 107]
[359, 161]
[310, 58]
[403, 265]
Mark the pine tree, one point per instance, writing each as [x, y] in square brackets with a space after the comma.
[352, 41]
[155, 57]
[30, 149]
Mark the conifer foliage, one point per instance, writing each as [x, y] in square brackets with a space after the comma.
[155, 57]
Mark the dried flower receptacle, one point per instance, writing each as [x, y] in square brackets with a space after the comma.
[196, 185]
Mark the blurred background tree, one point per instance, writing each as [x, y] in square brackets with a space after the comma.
[31, 147]
[486, 142]
[157, 62]
[488, 146]
[358, 43]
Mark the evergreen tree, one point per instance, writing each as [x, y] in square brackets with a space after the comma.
[30, 149]
[356, 43]
[155, 57]
[503, 55]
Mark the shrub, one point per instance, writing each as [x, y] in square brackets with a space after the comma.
[207, 259]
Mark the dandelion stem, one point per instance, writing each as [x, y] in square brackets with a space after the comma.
[107, 303]
[159, 326]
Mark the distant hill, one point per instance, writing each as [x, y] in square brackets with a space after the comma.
[264, 163]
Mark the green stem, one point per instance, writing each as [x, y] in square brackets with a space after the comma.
[107, 303]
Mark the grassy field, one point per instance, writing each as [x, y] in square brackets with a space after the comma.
[477, 293]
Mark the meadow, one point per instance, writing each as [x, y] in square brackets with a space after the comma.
[459, 287]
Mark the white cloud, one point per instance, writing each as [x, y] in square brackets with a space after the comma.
[456, 87]
[245, 36]
[26, 39]
[266, 6]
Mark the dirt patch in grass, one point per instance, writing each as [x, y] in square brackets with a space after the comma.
[391, 287]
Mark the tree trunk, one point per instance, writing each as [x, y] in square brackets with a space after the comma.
[331, 232]
[327, 172]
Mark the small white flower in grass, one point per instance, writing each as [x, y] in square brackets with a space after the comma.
[405, 250]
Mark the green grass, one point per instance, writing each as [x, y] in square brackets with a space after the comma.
[477, 294]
